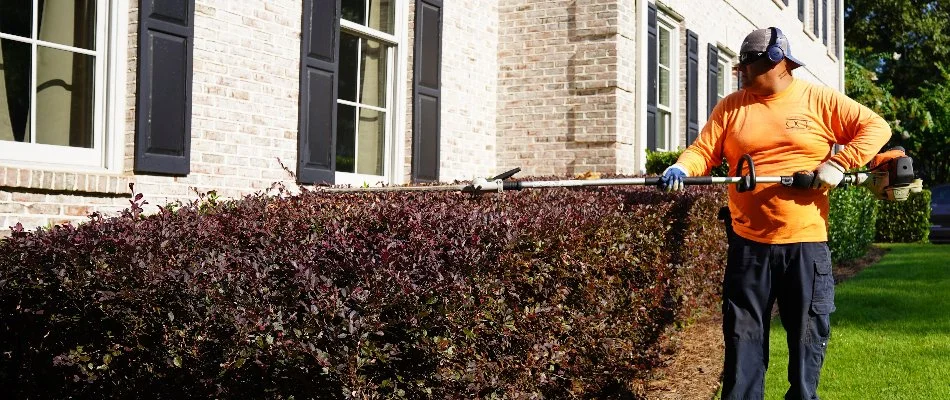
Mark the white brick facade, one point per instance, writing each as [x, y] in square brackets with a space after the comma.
[552, 86]
[469, 84]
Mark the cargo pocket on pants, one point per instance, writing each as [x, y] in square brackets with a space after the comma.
[823, 294]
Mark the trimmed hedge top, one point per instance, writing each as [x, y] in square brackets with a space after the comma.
[553, 293]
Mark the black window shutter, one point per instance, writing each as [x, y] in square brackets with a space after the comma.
[801, 10]
[427, 92]
[319, 72]
[712, 78]
[692, 86]
[163, 93]
[815, 17]
[652, 73]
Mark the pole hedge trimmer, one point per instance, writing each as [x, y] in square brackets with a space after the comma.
[891, 177]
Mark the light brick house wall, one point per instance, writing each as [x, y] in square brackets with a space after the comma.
[552, 86]
[558, 86]
[469, 105]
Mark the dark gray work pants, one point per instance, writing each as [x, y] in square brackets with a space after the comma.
[799, 276]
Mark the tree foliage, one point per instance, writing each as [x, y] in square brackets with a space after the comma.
[898, 64]
[906, 41]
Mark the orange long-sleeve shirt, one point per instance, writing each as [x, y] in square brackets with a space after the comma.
[790, 131]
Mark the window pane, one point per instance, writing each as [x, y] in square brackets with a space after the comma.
[721, 80]
[373, 73]
[375, 14]
[345, 137]
[65, 90]
[16, 17]
[664, 87]
[381, 15]
[371, 142]
[664, 47]
[662, 128]
[349, 65]
[354, 11]
[14, 90]
[68, 22]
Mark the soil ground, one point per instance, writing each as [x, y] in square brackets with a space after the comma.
[694, 368]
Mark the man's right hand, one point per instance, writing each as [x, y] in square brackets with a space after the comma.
[672, 178]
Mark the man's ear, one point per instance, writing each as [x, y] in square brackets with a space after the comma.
[785, 66]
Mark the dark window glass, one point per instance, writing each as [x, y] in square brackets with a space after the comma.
[345, 138]
[15, 90]
[376, 14]
[16, 17]
[349, 66]
[354, 11]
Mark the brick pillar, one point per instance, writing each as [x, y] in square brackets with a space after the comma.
[558, 86]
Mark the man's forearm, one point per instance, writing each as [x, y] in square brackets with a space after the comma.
[870, 138]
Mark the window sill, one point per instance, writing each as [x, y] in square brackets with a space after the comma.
[63, 181]
[832, 55]
[780, 4]
[809, 33]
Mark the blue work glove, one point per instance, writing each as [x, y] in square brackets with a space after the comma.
[672, 178]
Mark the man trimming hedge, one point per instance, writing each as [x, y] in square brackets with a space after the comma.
[778, 248]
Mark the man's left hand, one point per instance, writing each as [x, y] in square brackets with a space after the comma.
[828, 175]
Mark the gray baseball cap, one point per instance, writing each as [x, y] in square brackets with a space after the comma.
[759, 40]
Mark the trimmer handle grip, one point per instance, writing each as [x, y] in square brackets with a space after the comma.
[802, 180]
[806, 180]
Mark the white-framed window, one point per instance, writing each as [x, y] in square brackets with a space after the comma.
[724, 78]
[54, 82]
[369, 45]
[667, 82]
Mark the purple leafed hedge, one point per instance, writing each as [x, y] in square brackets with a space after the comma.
[556, 293]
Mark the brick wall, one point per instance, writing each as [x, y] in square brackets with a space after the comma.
[558, 94]
[41, 198]
[245, 99]
[469, 89]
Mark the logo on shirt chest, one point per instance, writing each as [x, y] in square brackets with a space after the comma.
[796, 122]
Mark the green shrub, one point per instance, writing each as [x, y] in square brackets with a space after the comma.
[561, 293]
[853, 212]
[657, 161]
[905, 221]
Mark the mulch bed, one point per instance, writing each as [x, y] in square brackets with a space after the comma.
[694, 368]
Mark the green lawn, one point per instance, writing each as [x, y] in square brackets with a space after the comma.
[890, 336]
